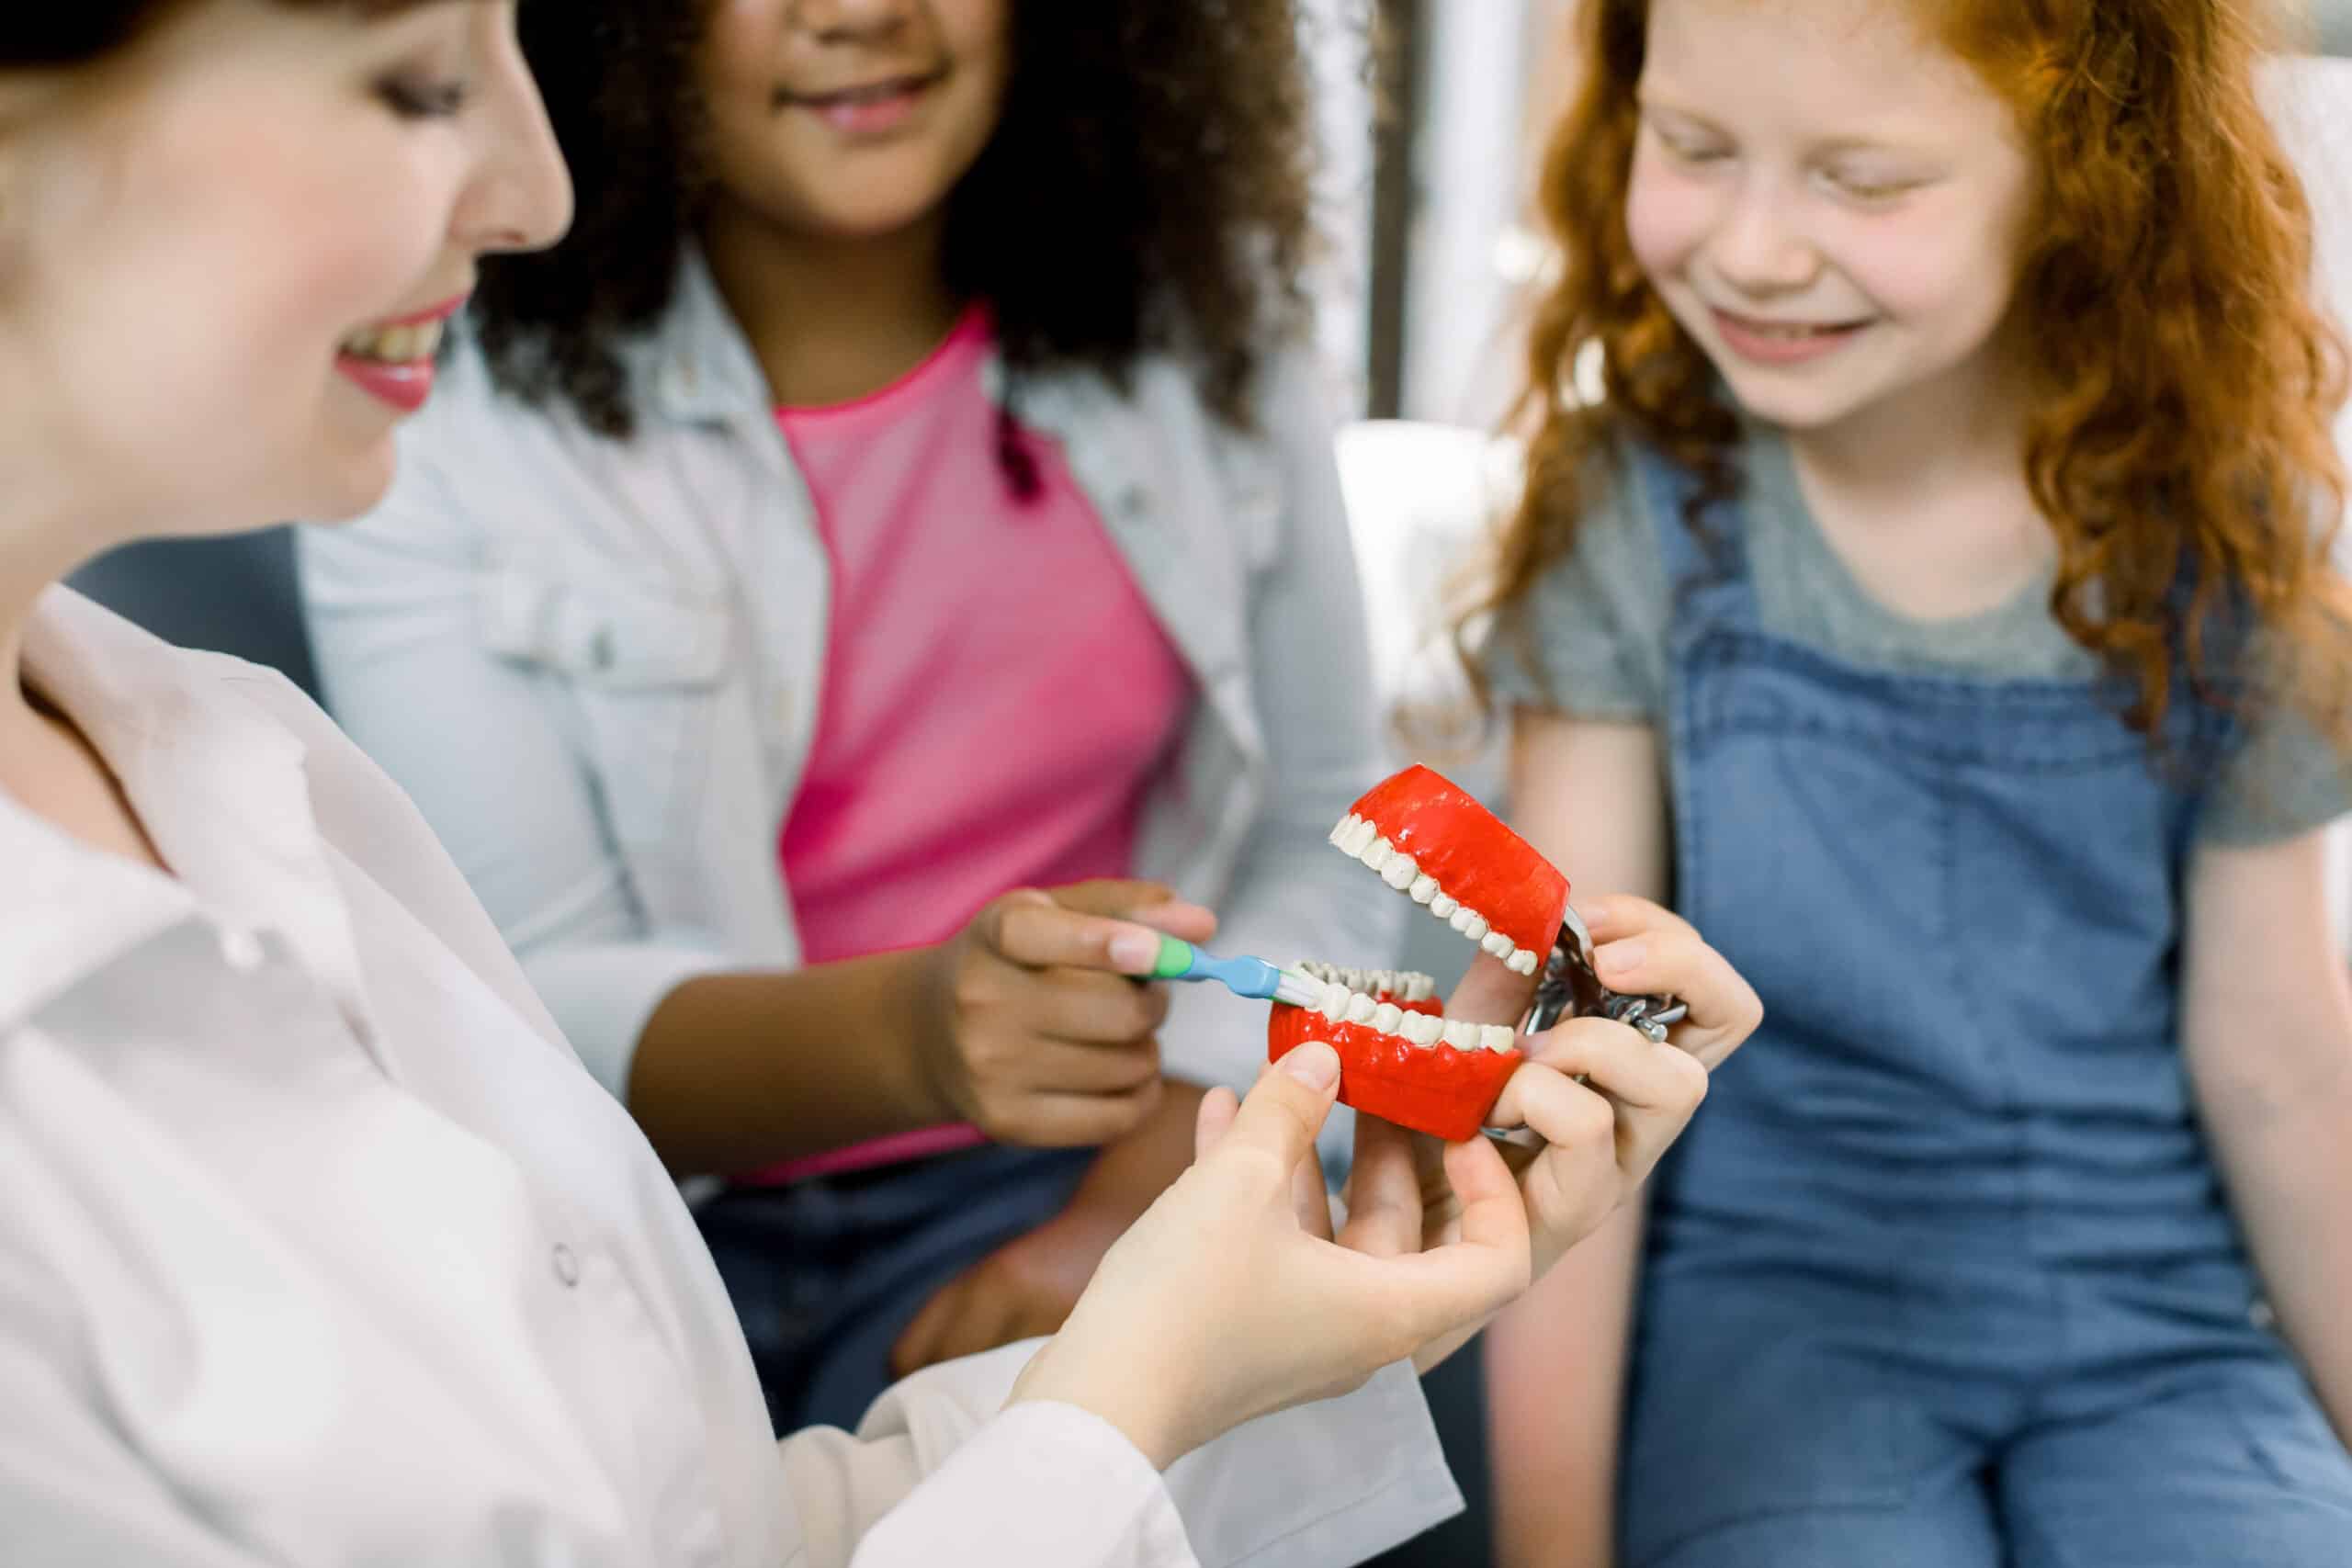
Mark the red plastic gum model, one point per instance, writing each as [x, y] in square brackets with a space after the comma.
[1400, 1058]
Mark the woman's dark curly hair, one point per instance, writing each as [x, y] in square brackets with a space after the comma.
[1148, 188]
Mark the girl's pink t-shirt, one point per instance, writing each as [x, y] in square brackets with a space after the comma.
[998, 695]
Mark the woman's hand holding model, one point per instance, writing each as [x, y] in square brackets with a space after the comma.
[1233, 1297]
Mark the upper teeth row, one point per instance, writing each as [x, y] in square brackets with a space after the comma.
[397, 346]
[1358, 837]
[1342, 1006]
[1404, 985]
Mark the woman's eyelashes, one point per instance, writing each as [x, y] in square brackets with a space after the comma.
[413, 97]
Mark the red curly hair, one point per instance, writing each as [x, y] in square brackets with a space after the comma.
[2184, 380]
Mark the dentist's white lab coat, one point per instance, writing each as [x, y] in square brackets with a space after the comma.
[318, 1245]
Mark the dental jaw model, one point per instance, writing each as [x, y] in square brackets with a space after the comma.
[1400, 1058]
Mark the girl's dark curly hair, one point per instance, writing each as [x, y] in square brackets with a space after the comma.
[1149, 188]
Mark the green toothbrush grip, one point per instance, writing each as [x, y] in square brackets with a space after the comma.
[1175, 959]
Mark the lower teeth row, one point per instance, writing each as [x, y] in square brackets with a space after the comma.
[1342, 1005]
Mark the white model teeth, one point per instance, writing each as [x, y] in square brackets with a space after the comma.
[1404, 985]
[1358, 838]
[1353, 995]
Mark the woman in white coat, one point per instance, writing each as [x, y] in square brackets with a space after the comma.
[317, 1244]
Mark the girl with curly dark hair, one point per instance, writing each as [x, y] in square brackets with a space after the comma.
[1936, 598]
[886, 562]
[317, 1244]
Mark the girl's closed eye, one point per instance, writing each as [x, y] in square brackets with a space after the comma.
[1687, 145]
[1870, 184]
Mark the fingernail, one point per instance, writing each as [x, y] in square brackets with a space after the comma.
[1314, 1064]
[1135, 952]
[1619, 957]
[1592, 913]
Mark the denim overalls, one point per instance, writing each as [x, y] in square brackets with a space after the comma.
[1942, 1274]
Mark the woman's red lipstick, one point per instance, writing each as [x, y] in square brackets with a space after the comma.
[393, 360]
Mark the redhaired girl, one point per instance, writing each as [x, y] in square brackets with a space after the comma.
[1935, 602]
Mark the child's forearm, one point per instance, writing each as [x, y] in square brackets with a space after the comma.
[1556, 1376]
[2288, 1167]
[740, 1070]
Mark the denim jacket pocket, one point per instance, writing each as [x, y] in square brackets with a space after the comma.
[643, 674]
[616, 641]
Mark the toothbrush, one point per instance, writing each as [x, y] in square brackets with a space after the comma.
[1252, 977]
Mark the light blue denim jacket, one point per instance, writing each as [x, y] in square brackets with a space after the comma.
[595, 667]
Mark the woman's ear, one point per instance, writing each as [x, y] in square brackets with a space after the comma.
[32, 102]
[25, 95]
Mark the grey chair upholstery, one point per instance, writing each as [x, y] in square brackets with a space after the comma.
[2332, 22]
[225, 595]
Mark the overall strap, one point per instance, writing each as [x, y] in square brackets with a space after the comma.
[1706, 561]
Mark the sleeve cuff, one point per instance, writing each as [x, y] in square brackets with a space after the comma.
[1042, 1484]
[1322, 1486]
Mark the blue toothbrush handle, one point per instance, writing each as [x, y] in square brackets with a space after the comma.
[1252, 977]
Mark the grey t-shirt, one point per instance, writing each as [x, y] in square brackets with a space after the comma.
[1598, 634]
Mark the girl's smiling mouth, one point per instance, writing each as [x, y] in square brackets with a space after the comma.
[874, 108]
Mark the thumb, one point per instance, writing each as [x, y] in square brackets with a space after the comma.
[1281, 1115]
[1153, 904]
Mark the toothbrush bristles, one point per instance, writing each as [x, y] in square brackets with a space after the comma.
[1297, 987]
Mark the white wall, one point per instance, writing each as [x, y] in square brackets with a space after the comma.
[1461, 354]
[1338, 47]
